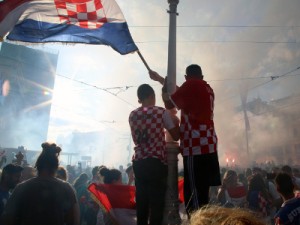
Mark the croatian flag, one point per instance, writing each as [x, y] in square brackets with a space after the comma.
[118, 201]
[71, 21]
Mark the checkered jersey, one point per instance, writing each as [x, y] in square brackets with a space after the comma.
[197, 139]
[147, 129]
[86, 13]
[195, 99]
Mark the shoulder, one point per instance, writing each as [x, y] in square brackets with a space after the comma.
[134, 113]
[160, 109]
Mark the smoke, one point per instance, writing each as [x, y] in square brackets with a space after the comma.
[240, 46]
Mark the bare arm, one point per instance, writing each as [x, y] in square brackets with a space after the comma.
[175, 133]
[156, 77]
[165, 96]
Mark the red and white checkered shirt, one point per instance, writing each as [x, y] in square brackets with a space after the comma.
[147, 126]
[195, 98]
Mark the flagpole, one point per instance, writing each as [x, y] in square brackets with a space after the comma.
[171, 215]
[143, 60]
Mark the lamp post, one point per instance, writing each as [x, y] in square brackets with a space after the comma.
[171, 216]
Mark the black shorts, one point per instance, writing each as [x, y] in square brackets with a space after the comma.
[205, 168]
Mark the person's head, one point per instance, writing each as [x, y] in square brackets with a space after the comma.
[256, 170]
[11, 175]
[146, 94]
[82, 179]
[287, 169]
[193, 71]
[248, 172]
[256, 183]
[95, 172]
[129, 171]
[61, 173]
[19, 157]
[231, 178]
[296, 172]
[217, 215]
[28, 172]
[48, 159]
[111, 176]
[284, 184]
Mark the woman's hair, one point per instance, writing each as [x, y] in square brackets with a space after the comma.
[110, 175]
[257, 183]
[229, 173]
[48, 159]
[81, 179]
[217, 215]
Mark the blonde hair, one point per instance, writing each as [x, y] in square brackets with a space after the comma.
[217, 215]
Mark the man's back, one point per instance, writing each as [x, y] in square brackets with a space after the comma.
[196, 99]
[289, 213]
[147, 128]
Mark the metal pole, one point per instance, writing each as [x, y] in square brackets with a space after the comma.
[171, 73]
[171, 216]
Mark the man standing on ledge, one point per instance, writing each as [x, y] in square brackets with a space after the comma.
[148, 124]
[198, 139]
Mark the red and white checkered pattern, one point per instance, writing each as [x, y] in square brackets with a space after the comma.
[86, 14]
[197, 139]
[147, 129]
[263, 204]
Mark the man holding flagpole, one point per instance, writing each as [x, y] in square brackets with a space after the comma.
[198, 139]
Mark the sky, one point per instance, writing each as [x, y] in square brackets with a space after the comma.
[239, 44]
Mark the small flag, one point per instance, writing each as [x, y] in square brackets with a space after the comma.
[114, 196]
[117, 201]
[71, 21]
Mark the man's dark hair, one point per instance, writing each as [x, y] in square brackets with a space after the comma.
[286, 169]
[194, 70]
[10, 169]
[285, 183]
[95, 170]
[144, 91]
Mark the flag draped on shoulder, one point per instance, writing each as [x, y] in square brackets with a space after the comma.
[70, 21]
[117, 201]
[113, 196]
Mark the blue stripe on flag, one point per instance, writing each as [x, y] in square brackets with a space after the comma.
[116, 35]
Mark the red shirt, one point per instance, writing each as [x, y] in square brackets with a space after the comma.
[196, 98]
[147, 126]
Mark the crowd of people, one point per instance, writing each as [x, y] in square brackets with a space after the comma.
[29, 194]
[49, 194]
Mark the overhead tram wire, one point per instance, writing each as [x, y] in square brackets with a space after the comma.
[280, 107]
[99, 88]
[229, 79]
[250, 78]
[225, 42]
[264, 83]
[215, 26]
[220, 26]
